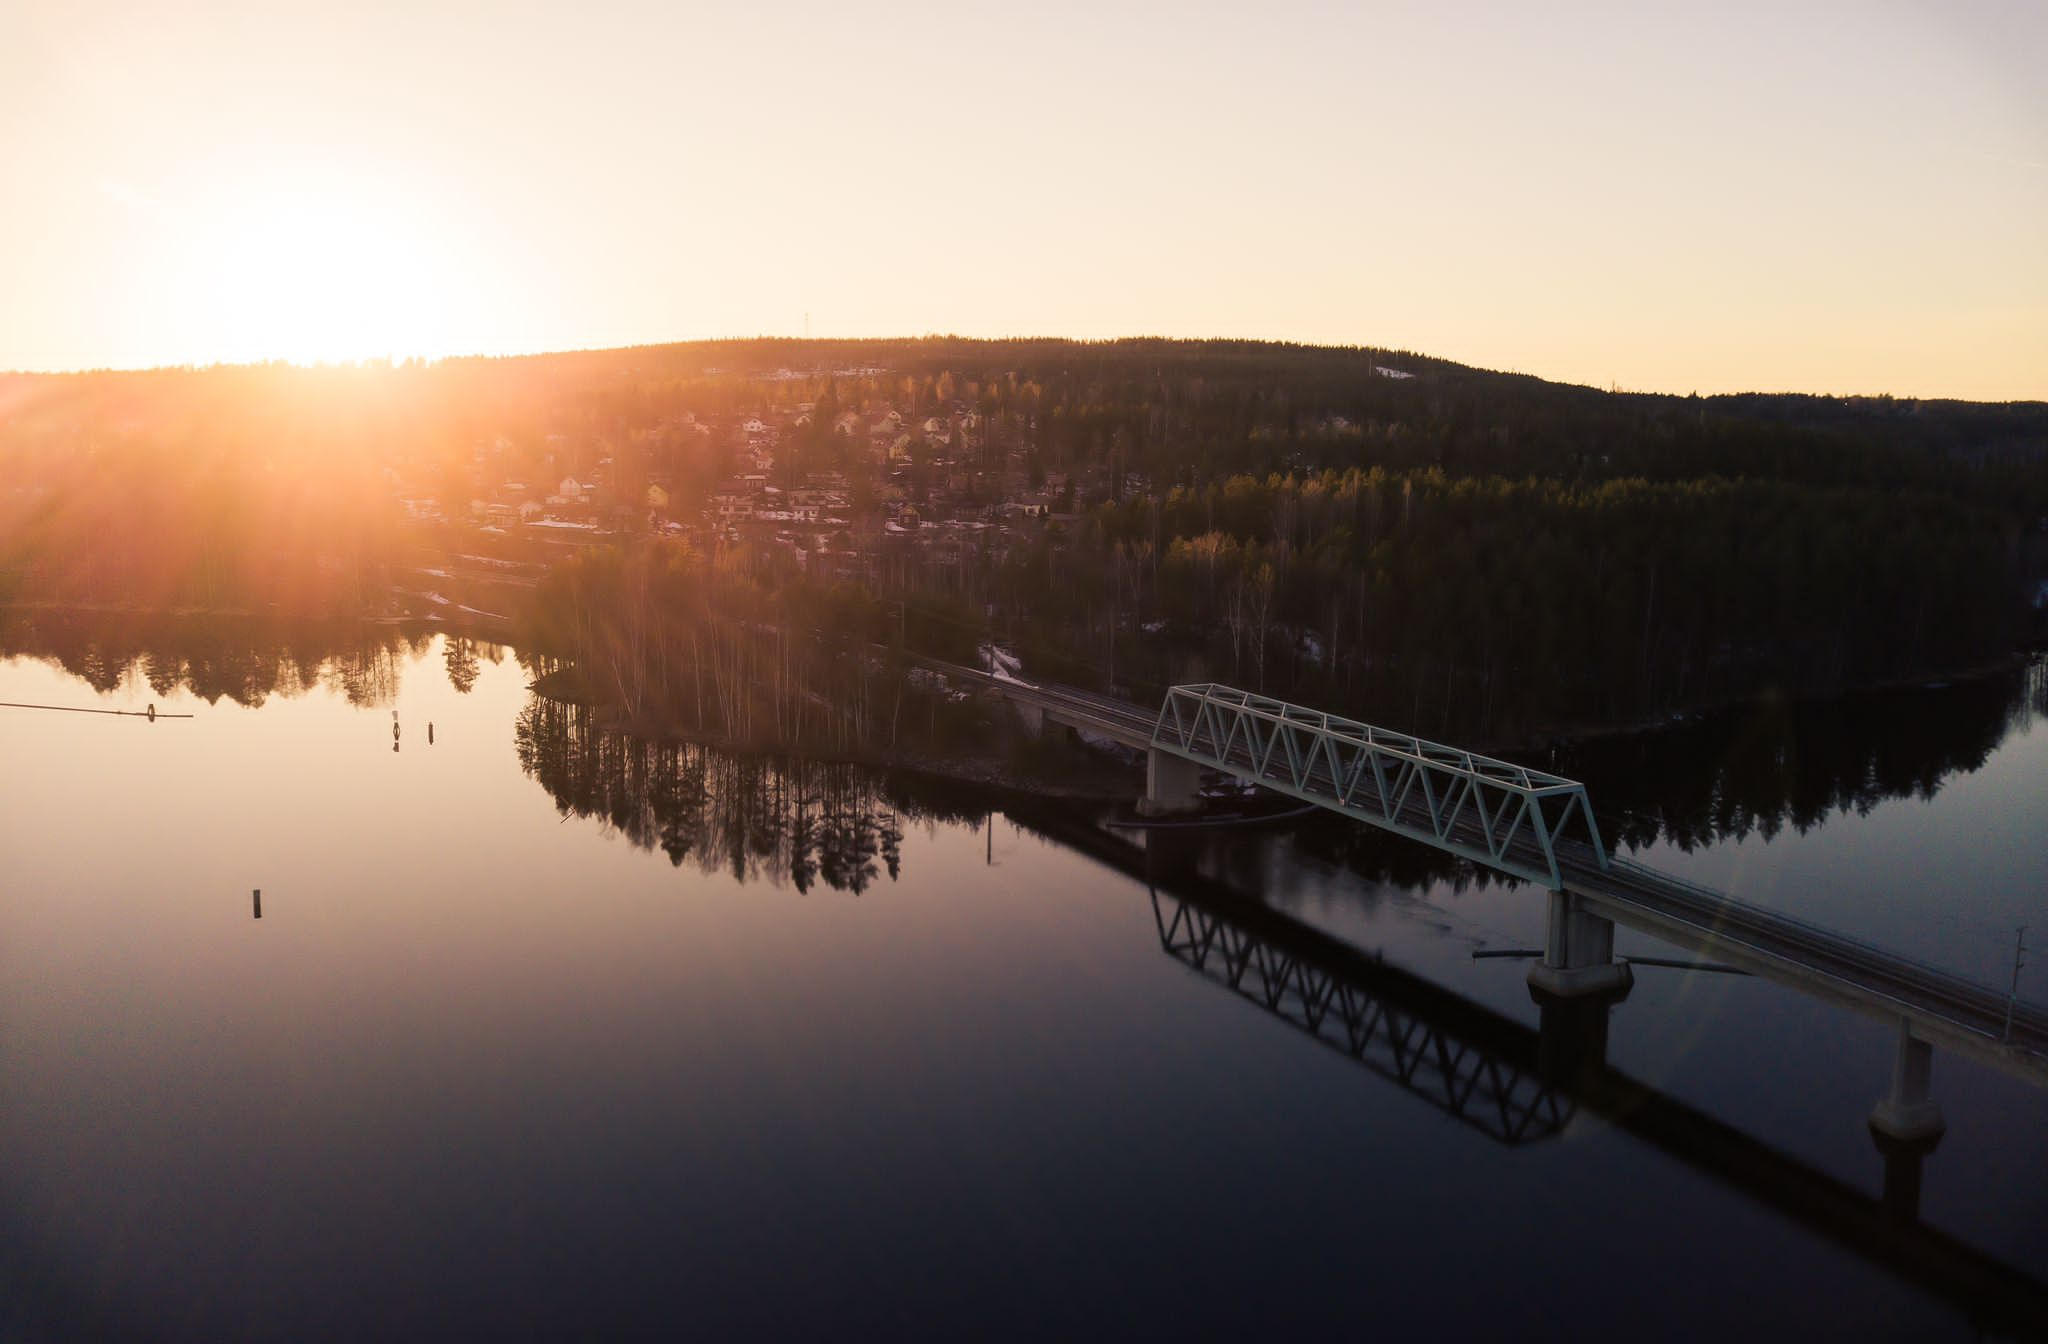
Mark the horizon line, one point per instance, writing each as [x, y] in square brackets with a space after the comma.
[373, 362]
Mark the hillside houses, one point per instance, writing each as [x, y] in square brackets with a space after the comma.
[871, 494]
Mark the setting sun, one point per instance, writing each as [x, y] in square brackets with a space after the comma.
[311, 273]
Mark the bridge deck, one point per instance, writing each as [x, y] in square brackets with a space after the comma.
[1118, 720]
[1942, 1008]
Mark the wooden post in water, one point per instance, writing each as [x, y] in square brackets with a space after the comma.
[2019, 960]
[256, 898]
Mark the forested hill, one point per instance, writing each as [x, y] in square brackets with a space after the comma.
[1172, 409]
[1170, 405]
[1210, 406]
[1435, 546]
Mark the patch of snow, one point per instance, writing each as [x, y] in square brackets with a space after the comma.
[1385, 372]
[1002, 664]
[1153, 627]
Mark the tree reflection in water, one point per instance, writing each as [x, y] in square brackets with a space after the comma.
[752, 815]
[245, 660]
[1759, 769]
[1712, 778]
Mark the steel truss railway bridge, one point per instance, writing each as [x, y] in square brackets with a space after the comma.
[1540, 828]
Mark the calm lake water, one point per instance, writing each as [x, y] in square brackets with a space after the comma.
[545, 1034]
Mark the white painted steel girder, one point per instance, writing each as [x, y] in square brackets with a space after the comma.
[1505, 816]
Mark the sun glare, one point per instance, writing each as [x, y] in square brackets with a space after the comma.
[312, 275]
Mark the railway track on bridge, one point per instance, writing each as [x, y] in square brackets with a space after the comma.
[1979, 1020]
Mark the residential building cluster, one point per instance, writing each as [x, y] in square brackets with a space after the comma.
[877, 496]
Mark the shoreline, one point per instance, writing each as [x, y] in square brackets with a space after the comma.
[1006, 772]
[1125, 781]
[996, 773]
[1571, 734]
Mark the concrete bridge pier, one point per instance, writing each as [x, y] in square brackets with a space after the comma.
[1039, 726]
[1172, 784]
[1578, 954]
[1909, 1112]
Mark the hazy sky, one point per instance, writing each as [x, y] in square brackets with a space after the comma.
[1844, 197]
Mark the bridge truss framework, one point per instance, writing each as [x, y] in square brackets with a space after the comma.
[1505, 816]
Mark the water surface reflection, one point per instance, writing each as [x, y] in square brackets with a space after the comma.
[489, 1065]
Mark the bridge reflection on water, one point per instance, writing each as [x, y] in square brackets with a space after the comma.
[1522, 1085]
[1464, 1060]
